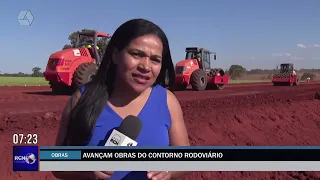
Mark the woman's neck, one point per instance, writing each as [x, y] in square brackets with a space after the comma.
[122, 95]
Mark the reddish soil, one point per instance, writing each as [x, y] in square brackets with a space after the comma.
[238, 115]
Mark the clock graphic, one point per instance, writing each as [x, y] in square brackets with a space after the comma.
[20, 138]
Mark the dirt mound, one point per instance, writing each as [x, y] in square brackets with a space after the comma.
[240, 116]
[273, 119]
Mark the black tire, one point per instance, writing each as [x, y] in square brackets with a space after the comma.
[198, 80]
[83, 74]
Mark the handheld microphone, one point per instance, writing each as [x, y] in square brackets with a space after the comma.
[127, 133]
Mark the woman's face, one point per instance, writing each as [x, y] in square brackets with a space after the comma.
[139, 65]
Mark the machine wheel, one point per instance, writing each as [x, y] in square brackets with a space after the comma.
[214, 72]
[84, 74]
[219, 86]
[198, 80]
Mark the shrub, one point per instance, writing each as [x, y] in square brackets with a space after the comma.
[306, 75]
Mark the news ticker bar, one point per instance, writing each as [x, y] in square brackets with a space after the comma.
[194, 158]
[179, 166]
[134, 154]
[234, 158]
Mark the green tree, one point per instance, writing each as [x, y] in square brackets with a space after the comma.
[102, 42]
[67, 46]
[36, 72]
[236, 71]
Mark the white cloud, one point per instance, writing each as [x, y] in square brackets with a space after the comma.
[297, 58]
[281, 54]
[253, 58]
[316, 58]
[308, 46]
[276, 54]
[316, 45]
[301, 46]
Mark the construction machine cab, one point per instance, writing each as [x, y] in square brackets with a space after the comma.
[90, 37]
[202, 55]
[286, 68]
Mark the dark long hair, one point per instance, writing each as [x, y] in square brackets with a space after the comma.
[85, 113]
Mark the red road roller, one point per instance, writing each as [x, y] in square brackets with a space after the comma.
[71, 68]
[196, 70]
[286, 77]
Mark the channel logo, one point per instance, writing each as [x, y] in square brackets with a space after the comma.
[30, 158]
[25, 158]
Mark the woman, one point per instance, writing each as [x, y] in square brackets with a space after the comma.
[130, 81]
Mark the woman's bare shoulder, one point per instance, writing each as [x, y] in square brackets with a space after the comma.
[172, 99]
[178, 131]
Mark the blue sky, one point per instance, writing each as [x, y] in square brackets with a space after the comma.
[253, 33]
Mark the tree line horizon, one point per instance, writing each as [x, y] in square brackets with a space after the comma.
[235, 71]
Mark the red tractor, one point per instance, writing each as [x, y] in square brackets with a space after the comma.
[286, 77]
[196, 70]
[70, 68]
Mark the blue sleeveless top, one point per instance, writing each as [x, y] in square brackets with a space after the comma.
[156, 121]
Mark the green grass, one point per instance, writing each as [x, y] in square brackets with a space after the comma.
[21, 81]
[36, 81]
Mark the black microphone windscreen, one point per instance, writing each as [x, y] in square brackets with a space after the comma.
[131, 126]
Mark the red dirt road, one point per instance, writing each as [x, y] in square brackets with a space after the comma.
[238, 115]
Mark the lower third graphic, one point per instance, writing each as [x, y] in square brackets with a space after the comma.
[25, 158]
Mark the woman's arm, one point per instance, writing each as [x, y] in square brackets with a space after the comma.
[69, 175]
[60, 138]
[178, 132]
